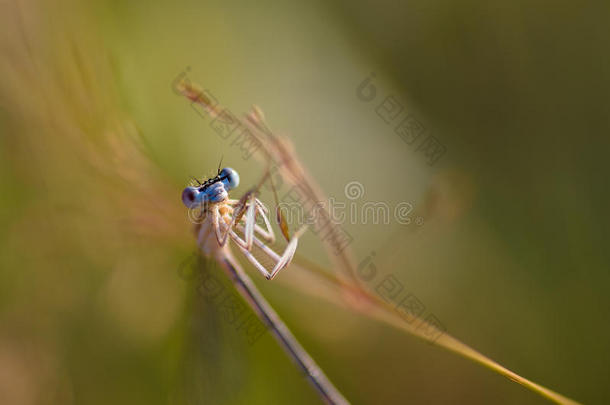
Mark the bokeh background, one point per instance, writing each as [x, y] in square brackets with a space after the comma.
[509, 251]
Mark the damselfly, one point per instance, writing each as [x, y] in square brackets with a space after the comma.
[220, 220]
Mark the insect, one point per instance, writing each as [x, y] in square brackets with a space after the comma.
[221, 216]
[219, 219]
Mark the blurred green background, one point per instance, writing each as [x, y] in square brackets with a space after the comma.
[511, 255]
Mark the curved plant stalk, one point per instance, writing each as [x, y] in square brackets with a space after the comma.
[345, 288]
[320, 283]
[314, 374]
[68, 96]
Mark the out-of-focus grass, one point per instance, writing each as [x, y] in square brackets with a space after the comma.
[513, 261]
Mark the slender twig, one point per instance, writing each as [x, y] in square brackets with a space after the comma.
[285, 338]
[278, 150]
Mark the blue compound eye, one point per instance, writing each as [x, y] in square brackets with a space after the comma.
[230, 178]
[191, 196]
